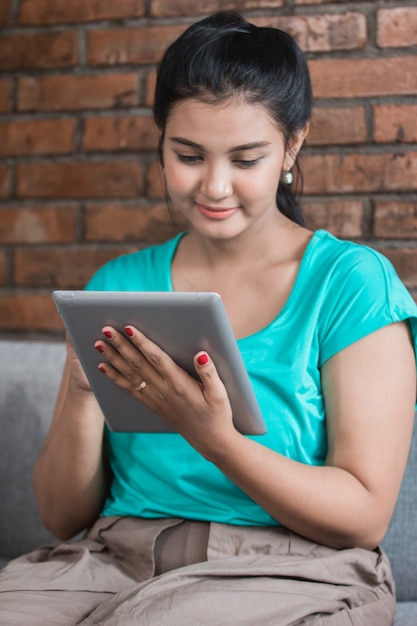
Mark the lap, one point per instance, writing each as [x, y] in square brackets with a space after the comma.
[228, 593]
[267, 576]
[59, 584]
[48, 608]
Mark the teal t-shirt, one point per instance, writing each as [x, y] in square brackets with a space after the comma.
[343, 292]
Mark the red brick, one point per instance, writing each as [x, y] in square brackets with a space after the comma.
[66, 268]
[120, 133]
[38, 51]
[150, 88]
[130, 222]
[155, 181]
[356, 78]
[5, 95]
[3, 267]
[323, 1]
[22, 137]
[395, 219]
[4, 181]
[405, 262]
[56, 224]
[318, 33]
[351, 173]
[60, 93]
[343, 218]
[64, 11]
[395, 123]
[171, 8]
[130, 45]
[336, 126]
[79, 180]
[28, 312]
[5, 12]
[397, 27]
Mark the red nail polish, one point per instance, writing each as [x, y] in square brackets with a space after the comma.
[101, 369]
[202, 359]
[129, 331]
[108, 334]
[100, 348]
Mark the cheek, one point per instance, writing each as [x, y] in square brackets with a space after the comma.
[272, 178]
[178, 180]
[260, 185]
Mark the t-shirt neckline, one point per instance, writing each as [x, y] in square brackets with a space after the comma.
[283, 312]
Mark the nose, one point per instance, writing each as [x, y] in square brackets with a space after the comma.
[216, 183]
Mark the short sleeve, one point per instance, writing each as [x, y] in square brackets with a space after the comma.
[363, 294]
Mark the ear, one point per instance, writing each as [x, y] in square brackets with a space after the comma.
[294, 146]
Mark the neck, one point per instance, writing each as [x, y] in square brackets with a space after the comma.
[249, 248]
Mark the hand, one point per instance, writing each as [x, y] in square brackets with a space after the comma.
[198, 410]
[78, 379]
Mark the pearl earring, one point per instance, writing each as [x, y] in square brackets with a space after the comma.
[287, 177]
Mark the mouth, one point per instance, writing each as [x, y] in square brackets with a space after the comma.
[216, 213]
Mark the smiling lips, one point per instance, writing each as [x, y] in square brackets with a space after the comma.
[216, 214]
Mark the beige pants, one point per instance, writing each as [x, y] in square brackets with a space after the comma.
[178, 573]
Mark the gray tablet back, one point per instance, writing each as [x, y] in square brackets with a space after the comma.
[182, 323]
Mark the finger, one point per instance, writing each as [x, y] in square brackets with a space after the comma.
[174, 380]
[155, 356]
[125, 360]
[213, 387]
[115, 376]
[119, 352]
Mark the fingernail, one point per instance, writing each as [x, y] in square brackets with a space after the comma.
[101, 369]
[100, 348]
[202, 359]
[108, 334]
[129, 331]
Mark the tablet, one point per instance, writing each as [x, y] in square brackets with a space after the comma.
[182, 324]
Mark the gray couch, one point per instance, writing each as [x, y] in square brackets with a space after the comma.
[29, 376]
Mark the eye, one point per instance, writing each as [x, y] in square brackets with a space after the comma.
[189, 159]
[248, 163]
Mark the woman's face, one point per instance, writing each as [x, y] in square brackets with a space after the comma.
[222, 165]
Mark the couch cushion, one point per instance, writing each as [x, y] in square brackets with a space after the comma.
[30, 373]
[400, 542]
[406, 614]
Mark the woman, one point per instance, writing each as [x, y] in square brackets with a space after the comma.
[209, 526]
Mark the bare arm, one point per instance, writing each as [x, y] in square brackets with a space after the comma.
[369, 391]
[70, 476]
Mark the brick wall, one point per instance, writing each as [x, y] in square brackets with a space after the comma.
[78, 176]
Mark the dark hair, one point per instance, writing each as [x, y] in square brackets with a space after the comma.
[223, 56]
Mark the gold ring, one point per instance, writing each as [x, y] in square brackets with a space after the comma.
[141, 386]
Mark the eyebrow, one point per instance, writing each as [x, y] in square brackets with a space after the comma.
[246, 146]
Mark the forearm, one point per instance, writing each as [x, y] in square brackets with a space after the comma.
[325, 504]
[69, 477]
